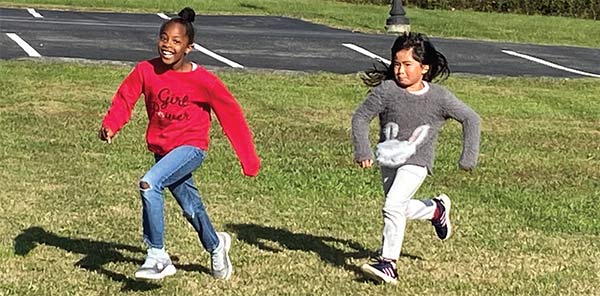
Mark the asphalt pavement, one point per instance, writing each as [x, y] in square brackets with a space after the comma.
[269, 42]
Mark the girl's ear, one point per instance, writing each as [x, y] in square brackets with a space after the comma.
[419, 135]
[189, 49]
[425, 69]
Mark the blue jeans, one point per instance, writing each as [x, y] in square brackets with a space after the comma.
[174, 171]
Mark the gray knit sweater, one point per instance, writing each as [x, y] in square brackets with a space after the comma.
[394, 104]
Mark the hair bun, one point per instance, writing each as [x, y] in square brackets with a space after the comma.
[187, 14]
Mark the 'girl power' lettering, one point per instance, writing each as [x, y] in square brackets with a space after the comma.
[164, 100]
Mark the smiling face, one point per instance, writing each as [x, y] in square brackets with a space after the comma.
[173, 45]
[408, 71]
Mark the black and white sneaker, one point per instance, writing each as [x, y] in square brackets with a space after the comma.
[442, 225]
[381, 271]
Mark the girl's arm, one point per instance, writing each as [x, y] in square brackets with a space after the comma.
[371, 107]
[123, 102]
[470, 120]
[232, 120]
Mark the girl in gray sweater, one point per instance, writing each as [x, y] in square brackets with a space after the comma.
[411, 112]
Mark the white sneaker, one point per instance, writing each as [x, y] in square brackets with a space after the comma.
[155, 267]
[220, 266]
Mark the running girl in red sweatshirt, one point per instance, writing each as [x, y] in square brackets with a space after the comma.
[179, 97]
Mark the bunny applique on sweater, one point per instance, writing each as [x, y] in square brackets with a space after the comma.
[392, 152]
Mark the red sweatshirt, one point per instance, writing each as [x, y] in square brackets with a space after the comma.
[179, 106]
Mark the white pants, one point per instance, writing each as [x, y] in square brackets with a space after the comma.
[400, 185]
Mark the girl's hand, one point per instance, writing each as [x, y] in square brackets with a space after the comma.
[105, 134]
[367, 163]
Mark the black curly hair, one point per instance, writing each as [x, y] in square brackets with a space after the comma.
[185, 17]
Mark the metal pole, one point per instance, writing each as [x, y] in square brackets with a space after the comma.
[397, 22]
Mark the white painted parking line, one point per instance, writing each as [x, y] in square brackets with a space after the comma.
[549, 64]
[24, 45]
[206, 51]
[34, 13]
[217, 57]
[163, 16]
[366, 52]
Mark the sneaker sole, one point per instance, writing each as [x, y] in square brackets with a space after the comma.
[227, 240]
[168, 271]
[447, 204]
[377, 275]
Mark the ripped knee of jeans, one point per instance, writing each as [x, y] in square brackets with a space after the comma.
[144, 186]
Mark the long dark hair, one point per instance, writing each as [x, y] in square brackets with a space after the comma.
[185, 17]
[423, 52]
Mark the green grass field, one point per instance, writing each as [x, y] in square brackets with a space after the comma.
[525, 221]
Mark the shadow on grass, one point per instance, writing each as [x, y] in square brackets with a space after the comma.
[97, 254]
[255, 235]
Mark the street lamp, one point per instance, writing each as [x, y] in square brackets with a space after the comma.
[397, 22]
